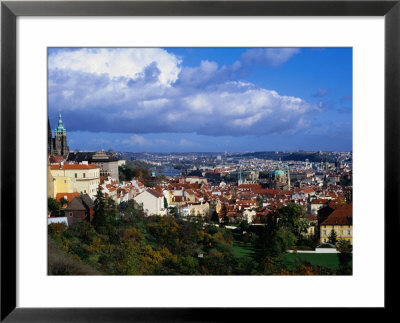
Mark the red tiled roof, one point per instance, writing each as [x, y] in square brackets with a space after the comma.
[74, 166]
[343, 215]
[155, 193]
[320, 201]
[68, 196]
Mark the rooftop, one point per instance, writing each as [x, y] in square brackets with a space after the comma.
[73, 166]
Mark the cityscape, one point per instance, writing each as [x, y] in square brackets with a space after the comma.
[200, 161]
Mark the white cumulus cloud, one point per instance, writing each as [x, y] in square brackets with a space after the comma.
[117, 62]
[146, 91]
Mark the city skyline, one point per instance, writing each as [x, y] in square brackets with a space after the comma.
[202, 99]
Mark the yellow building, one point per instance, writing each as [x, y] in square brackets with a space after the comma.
[199, 209]
[50, 184]
[341, 221]
[62, 184]
[190, 195]
[81, 178]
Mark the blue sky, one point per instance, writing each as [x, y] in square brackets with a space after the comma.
[202, 99]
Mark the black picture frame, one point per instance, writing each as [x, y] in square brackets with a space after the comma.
[10, 10]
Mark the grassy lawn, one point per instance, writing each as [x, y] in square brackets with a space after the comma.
[326, 260]
[241, 249]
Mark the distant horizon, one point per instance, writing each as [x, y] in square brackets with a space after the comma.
[202, 99]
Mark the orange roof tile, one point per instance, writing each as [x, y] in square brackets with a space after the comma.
[68, 196]
[343, 215]
[74, 166]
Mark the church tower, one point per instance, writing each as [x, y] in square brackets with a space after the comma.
[60, 146]
[287, 173]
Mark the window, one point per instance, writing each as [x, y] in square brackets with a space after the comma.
[324, 232]
[76, 175]
[84, 175]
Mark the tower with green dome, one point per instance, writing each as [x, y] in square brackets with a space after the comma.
[60, 147]
[280, 178]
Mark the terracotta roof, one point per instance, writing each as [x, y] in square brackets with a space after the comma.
[155, 193]
[320, 201]
[343, 215]
[74, 166]
[68, 196]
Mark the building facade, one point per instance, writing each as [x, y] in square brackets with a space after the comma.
[152, 201]
[83, 178]
[107, 161]
[341, 222]
[280, 178]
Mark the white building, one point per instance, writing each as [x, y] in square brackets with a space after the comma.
[152, 201]
[249, 215]
[83, 178]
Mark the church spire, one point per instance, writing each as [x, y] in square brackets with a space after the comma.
[60, 140]
[60, 127]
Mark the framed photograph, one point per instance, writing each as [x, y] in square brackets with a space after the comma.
[188, 156]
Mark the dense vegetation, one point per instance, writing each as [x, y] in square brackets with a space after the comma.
[125, 242]
[140, 170]
[133, 169]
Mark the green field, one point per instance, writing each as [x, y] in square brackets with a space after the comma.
[241, 249]
[327, 260]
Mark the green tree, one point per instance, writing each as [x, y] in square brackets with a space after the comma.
[53, 205]
[244, 225]
[266, 243]
[332, 237]
[292, 218]
[165, 203]
[224, 215]
[344, 246]
[215, 217]
[111, 209]
[63, 201]
[260, 201]
[345, 256]
[100, 217]
[285, 239]
[126, 173]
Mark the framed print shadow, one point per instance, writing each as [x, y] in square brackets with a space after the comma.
[195, 161]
